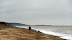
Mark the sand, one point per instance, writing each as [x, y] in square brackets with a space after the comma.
[14, 33]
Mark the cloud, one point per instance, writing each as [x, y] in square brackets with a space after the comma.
[34, 10]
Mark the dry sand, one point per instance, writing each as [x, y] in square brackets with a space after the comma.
[14, 33]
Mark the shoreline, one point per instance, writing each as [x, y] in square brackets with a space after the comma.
[47, 32]
[17, 33]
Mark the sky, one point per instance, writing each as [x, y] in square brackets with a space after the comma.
[37, 12]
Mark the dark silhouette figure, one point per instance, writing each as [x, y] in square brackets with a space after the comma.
[38, 31]
[29, 28]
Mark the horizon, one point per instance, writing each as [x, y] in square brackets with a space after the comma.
[37, 12]
[26, 24]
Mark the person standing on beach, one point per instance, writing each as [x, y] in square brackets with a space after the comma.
[29, 28]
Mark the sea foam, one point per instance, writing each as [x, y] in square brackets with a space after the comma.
[64, 36]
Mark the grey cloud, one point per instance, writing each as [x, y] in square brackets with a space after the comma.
[36, 10]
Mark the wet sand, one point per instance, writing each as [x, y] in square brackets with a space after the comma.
[14, 33]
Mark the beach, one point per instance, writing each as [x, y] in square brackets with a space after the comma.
[8, 32]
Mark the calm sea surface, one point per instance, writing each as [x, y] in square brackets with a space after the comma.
[57, 29]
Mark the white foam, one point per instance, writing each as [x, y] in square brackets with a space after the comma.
[67, 37]
[64, 36]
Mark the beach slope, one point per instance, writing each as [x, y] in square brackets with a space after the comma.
[14, 33]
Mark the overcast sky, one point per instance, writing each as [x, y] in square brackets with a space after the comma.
[51, 12]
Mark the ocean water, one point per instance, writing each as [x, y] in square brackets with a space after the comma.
[61, 31]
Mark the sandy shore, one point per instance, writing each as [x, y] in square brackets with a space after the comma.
[15, 33]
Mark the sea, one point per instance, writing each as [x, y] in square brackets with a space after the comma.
[64, 32]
